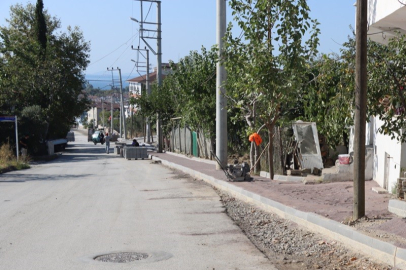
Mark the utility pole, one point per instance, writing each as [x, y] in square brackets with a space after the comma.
[158, 53]
[112, 87]
[360, 109]
[122, 103]
[159, 76]
[221, 100]
[111, 117]
[102, 101]
[147, 86]
[122, 116]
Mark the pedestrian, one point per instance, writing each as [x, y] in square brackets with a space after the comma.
[135, 143]
[101, 137]
[24, 145]
[107, 141]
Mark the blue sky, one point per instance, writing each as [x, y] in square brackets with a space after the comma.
[186, 26]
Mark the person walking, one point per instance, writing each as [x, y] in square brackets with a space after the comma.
[107, 141]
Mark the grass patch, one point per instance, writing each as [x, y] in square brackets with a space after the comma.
[8, 161]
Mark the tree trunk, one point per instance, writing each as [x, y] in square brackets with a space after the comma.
[270, 150]
[282, 156]
[257, 168]
[252, 156]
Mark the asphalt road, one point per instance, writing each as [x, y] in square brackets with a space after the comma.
[62, 214]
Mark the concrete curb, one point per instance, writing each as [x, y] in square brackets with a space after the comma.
[379, 250]
[397, 207]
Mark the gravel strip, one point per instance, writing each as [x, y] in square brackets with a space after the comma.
[289, 246]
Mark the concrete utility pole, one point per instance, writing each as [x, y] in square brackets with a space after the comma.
[159, 75]
[122, 103]
[102, 103]
[158, 53]
[122, 116]
[147, 86]
[360, 109]
[221, 100]
[112, 117]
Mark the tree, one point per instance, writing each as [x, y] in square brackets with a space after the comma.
[193, 83]
[42, 67]
[328, 96]
[187, 92]
[267, 61]
[387, 84]
[40, 26]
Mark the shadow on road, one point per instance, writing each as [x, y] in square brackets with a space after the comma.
[84, 152]
[21, 178]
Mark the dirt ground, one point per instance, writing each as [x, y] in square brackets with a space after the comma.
[335, 201]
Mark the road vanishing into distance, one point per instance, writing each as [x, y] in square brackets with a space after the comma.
[64, 213]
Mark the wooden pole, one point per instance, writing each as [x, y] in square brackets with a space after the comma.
[360, 109]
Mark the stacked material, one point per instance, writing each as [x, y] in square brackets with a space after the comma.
[135, 152]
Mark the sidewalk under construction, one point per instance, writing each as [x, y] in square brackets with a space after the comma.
[325, 208]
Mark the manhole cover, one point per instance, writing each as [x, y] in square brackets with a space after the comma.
[122, 257]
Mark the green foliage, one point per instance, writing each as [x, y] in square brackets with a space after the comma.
[387, 85]
[90, 90]
[194, 82]
[134, 125]
[32, 122]
[8, 160]
[188, 91]
[106, 115]
[266, 63]
[31, 76]
[40, 26]
[328, 97]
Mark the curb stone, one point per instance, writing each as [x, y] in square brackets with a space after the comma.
[379, 250]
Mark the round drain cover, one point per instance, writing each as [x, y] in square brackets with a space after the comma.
[122, 257]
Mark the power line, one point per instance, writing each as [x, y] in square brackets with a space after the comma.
[148, 12]
[125, 43]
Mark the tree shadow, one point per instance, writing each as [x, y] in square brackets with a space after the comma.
[21, 178]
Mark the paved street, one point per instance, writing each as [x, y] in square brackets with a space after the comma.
[62, 214]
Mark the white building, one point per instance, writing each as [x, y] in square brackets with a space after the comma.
[385, 17]
[137, 84]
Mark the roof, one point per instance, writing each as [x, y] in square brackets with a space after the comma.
[143, 79]
[106, 106]
[152, 76]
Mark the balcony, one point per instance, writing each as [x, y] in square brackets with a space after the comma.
[385, 18]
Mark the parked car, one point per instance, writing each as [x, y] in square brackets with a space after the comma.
[96, 137]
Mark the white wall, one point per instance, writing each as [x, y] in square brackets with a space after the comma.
[385, 17]
[379, 9]
[384, 144]
[135, 88]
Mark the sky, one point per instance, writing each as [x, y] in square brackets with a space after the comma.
[186, 25]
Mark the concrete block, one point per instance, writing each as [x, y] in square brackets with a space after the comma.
[379, 190]
[397, 207]
[50, 145]
[264, 174]
[135, 152]
[400, 259]
[70, 136]
[289, 178]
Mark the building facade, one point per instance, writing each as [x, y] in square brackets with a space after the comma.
[386, 18]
